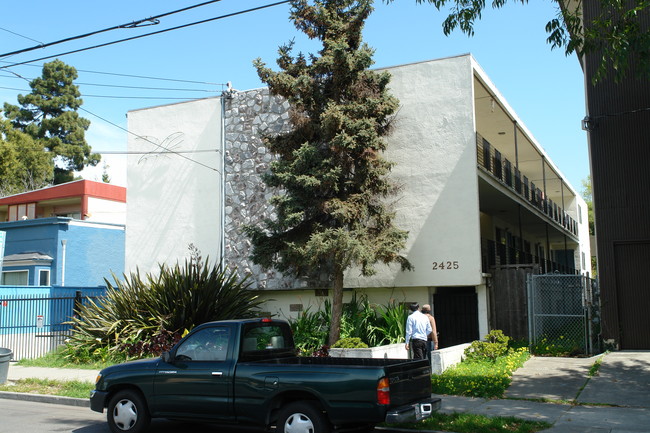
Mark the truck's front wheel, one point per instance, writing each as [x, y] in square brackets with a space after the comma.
[301, 417]
[127, 413]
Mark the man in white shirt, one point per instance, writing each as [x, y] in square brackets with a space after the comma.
[418, 329]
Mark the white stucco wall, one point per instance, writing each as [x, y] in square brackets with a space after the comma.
[174, 199]
[433, 147]
[278, 302]
[106, 211]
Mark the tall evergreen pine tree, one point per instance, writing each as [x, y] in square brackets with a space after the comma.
[332, 214]
[49, 115]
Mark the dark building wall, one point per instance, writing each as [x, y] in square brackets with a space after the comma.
[620, 165]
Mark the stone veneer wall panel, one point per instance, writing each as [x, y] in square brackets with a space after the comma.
[249, 116]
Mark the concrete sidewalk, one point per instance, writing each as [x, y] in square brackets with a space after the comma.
[17, 372]
[617, 400]
[619, 394]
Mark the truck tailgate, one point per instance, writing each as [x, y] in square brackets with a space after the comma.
[409, 381]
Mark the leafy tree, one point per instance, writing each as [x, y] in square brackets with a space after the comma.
[616, 31]
[49, 114]
[24, 164]
[332, 213]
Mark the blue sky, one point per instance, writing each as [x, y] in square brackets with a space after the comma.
[543, 86]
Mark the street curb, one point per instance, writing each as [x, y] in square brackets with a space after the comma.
[40, 398]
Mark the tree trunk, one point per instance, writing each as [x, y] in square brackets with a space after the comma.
[337, 305]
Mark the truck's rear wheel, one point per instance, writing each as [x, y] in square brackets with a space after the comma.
[301, 417]
[127, 413]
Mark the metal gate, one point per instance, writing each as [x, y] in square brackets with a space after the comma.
[31, 326]
[563, 312]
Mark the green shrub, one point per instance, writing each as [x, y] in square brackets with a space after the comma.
[310, 331]
[350, 343]
[494, 346]
[560, 346]
[374, 325]
[144, 316]
[484, 377]
[391, 325]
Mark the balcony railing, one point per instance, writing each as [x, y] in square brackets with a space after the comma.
[498, 254]
[501, 169]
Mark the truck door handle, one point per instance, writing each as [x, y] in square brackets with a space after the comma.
[217, 373]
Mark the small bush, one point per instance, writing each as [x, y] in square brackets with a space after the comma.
[480, 377]
[350, 343]
[496, 345]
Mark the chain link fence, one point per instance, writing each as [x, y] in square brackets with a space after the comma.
[563, 314]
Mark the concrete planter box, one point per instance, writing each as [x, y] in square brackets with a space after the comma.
[441, 359]
[391, 351]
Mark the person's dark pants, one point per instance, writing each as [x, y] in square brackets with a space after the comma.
[419, 348]
[429, 348]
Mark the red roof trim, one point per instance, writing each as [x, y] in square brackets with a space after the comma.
[79, 188]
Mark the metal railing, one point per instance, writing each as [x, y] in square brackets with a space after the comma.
[498, 254]
[33, 325]
[493, 162]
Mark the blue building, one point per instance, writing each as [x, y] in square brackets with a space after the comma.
[71, 234]
[61, 252]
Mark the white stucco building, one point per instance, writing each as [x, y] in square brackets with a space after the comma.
[480, 197]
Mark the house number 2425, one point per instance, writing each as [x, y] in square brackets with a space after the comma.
[445, 265]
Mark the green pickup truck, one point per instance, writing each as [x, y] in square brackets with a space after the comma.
[246, 372]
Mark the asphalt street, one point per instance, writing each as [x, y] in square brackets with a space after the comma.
[33, 417]
[18, 416]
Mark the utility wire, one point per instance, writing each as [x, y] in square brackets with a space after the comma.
[136, 135]
[143, 152]
[149, 34]
[118, 86]
[129, 75]
[150, 141]
[22, 36]
[87, 95]
[132, 25]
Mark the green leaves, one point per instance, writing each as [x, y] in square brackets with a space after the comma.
[611, 29]
[24, 163]
[49, 115]
[331, 213]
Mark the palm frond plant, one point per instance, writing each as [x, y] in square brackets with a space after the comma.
[392, 326]
[310, 330]
[155, 310]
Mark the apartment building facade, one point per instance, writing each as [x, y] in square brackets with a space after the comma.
[479, 196]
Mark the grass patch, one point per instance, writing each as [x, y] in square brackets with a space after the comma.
[595, 368]
[75, 388]
[470, 423]
[57, 359]
[480, 377]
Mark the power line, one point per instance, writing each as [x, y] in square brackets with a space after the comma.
[150, 141]
[136, 135]
[149, 34]
[175, 98]
[127, 75]
[88, 95]
[121, 86]
[132, 25]
[142, 152]
[22, 36]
